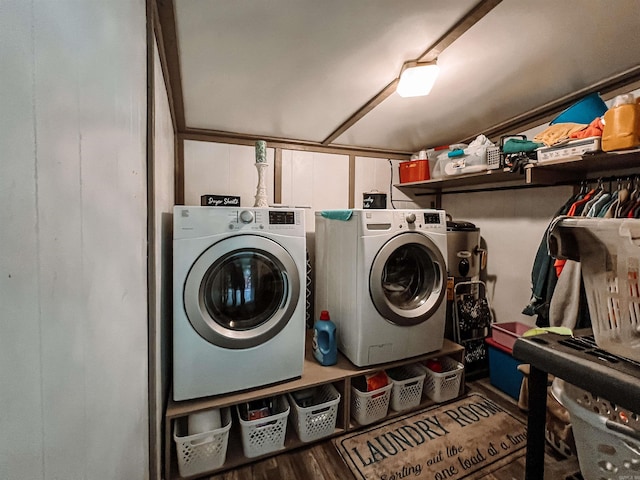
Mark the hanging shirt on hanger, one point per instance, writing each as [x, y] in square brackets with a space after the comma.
[575, 207]
[543, 276]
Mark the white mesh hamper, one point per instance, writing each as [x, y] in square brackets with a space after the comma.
[319, 420]
[265, 435]
[408, 381]
[609, 253]
[201, 452]
[607, 436]
[368, 407]
[444, 386]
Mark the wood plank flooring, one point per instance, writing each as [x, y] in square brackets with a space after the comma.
[321, 461]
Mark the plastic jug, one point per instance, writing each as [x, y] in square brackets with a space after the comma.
[621, 124]
[325, 345]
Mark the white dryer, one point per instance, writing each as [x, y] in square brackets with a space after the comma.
[382, 276]
[239, 298]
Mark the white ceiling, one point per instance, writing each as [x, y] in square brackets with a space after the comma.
[298, 69]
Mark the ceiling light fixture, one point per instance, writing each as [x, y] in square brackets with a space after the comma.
[417, 78]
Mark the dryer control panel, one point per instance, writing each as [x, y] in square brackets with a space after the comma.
[202, 221]
[266, 219]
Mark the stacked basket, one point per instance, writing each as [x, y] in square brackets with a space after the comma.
[607, 436]
[609, 255]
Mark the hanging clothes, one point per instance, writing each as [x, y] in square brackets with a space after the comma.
[574, 211]
[568, 306]
[543, 276]
[558, 295]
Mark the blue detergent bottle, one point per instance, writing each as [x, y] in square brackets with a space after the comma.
[325, 345]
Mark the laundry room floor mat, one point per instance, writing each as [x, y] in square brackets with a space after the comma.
[467, 438]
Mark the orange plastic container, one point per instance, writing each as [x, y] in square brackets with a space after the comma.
[414, 171]
[621, 127]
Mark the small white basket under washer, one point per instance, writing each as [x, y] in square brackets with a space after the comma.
[265, 435]
[369, 407]
[609, 254]
[444, 386]
[318, 420]
[407, 381]
[607, 436]
[201, 452]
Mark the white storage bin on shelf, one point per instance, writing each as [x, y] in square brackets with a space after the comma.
[319, 419]
[369, 407]
[444, 386]
[267, 434]
[607, 436]
[407, 381]
[609, 254]
[201, 452]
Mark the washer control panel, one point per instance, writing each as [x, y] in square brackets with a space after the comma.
[399, 220]
[419, 219]
[433, 218]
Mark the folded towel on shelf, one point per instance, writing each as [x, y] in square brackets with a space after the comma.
[517, 145]
[337, 214]
[594, 129]
[558, 132]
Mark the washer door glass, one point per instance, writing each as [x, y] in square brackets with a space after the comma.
[407, 279]
[241, 291]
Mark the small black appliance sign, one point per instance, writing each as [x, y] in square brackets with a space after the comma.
[465, 439]
[219, 201]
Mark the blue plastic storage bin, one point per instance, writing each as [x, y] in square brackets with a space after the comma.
[503, 369]
[584, 110]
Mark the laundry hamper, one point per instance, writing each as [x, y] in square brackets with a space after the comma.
[369, 407]
[318, 420]
[444, 386]
[607, 436]
[265, 435]
[609, 253]
[407, 381]
[201, 452]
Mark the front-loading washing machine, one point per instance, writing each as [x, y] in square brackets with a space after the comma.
[239, 298]
[382, 275]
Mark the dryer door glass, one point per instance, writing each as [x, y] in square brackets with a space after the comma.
[407, 279]
[242, 291]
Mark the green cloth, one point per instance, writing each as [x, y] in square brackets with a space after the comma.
[515, 145]
[337, 214]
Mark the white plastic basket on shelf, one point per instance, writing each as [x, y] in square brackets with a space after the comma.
[369, 407]
[493, 158]
[407, 381]
[201, 452]
[609, 253]
[607, 436]
[444, 386]
[265, 435]
[318, 420]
